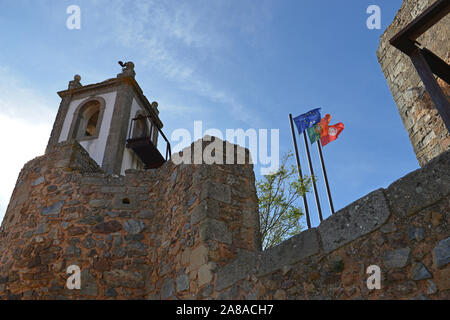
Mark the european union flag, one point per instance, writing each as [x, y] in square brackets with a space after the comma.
[307, 120]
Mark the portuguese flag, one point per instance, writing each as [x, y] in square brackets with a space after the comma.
[323, 131]
[319, 130]
[333, 133]
[314, 133]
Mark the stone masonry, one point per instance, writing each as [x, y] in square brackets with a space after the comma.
[427, 132]
[192, 232]
[156, 234]
[404, 229]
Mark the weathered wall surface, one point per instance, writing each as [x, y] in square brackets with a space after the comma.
[156, 234]
[192, 232]
[426, 130]
[404, 229]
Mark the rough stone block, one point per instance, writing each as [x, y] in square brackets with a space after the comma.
[88, 284]
[212, 229]
[182, 283]
[421, 188]
[42, 228]
[113, 189]
[168, 289]
[123, 278]
[205, 274]
[293, 250]
[419, 272]
[93, 180]
[442, 278]
[107, 227]
[441, 254]
[397, 258]
[53, 210]
[38, 181]
[243, 265]
[250, 218]
[359, 218]
[198, 257]
[98, 203]
[415, 233]
[133, 227]
[206, 209]
[216, 191]
[145, 214]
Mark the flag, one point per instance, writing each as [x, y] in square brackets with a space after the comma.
[324, 123]
[318, 130]
[314, 133]
[333, 133]
[307, 120]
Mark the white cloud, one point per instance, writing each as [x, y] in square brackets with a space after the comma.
[19, 100]
[21, 142]
[178, 40]
[25, 125]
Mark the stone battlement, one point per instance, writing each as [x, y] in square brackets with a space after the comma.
[404, 229]
[149, 234]
[192, 232]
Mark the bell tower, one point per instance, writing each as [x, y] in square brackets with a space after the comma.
[113, 121]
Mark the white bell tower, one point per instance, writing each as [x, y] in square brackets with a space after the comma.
[113, 121]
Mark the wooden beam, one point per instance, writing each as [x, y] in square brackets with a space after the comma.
[437, 95]
[404, 40]
[438, 66]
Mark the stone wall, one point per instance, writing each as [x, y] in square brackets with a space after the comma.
[155, 234]
[192, 232]
[426, 130]
[404, 229]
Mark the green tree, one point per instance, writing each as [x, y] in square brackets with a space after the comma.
[279, 208]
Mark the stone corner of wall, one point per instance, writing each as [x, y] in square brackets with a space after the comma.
[421, 188]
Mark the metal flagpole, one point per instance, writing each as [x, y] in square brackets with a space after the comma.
[330, 200]
[316, 194]
[299, 171]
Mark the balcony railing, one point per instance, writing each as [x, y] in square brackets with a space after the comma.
[143, 140]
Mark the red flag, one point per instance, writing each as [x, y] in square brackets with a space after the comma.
[333, 133]
[323, 125]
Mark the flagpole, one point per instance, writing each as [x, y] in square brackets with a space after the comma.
[316, 194]
[330, 200]
[305, 202]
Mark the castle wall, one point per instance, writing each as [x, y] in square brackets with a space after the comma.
[404, 229]
[427, 132]
[192, 232]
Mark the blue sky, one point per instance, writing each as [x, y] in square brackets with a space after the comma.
[232, 64]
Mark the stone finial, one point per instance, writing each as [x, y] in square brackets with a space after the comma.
[155, 106]
[127, 69]
[75, 83]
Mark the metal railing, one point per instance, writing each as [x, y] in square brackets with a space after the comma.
[150, 135]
